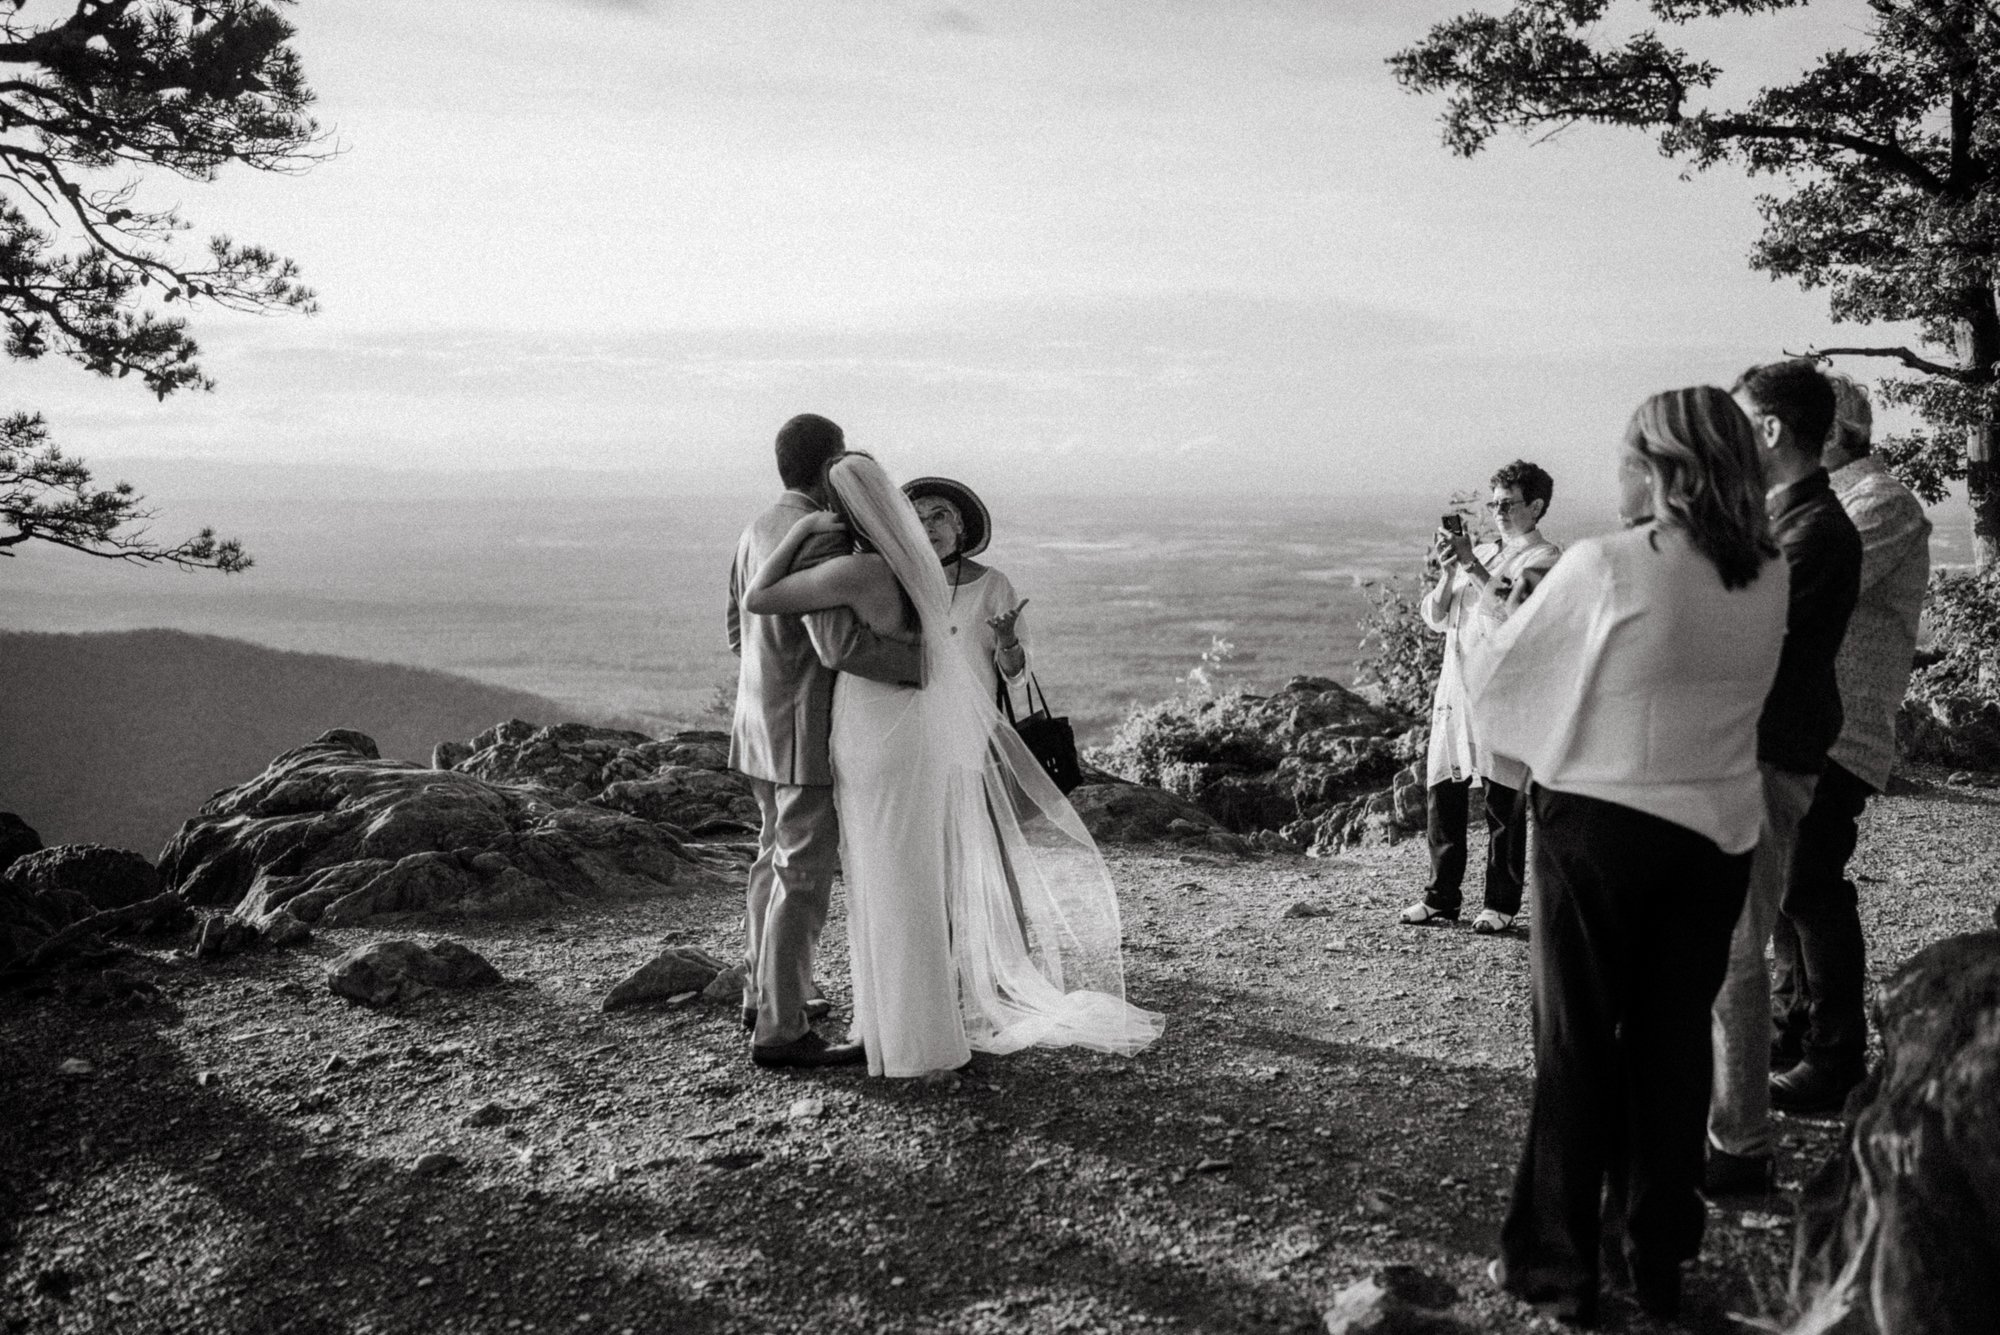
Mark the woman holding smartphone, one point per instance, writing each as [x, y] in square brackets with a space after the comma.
[1477, 588]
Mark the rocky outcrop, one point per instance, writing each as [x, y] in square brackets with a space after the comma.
[683, 781]
[1286, 762]
[1962, 731]
[44, 892]
[1130, 813]
[391, 971]
[333, 834]
[17, 839]
[1901, 1229]
[1386, 816]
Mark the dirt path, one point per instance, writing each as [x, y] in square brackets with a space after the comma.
[1334, 1093]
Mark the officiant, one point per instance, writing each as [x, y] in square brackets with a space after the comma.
[985, 610]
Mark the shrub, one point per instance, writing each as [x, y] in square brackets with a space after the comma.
[1962, 625]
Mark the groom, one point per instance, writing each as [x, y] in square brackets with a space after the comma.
[784, 710]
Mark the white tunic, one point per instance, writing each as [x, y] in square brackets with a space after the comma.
[1464, 611]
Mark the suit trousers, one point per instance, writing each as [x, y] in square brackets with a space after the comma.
[1739, 1114]
[1447, 815]
[1633, 916]
[1819, 986]
[791, 887]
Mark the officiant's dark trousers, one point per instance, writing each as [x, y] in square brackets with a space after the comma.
[1633, 916]
[1447, 816]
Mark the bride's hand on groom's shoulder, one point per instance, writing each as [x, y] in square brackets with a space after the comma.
[819, 521]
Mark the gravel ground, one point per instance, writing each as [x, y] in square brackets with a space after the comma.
[1334, 1094]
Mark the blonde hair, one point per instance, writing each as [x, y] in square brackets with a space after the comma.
[1853, 418]
[1699, 447]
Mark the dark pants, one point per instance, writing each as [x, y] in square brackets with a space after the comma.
[1817, 993]
[1633, 917]
[1446, 818]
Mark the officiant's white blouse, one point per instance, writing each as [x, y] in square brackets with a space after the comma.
[1632, 676]
[972, 602]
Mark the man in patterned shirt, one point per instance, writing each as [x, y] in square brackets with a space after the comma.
[1821, 1028]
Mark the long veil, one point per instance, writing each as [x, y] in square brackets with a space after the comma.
[1032, 912]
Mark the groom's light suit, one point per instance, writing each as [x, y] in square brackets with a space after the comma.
[784, 712]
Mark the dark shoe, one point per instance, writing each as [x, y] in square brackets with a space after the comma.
[1572, 1309]
[808, 1051]
[816, 1010]
[1813, 1088]
[1728, 1174]
[1657, 1289]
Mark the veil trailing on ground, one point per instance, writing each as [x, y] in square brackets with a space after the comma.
[1032, 914]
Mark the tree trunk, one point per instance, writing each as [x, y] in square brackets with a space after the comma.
[1982, 493]
[1979, 349]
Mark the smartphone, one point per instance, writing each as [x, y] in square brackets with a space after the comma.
[1452, 523]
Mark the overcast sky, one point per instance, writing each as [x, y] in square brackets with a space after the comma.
[1126, 245]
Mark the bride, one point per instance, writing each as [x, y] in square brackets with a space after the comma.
[980, 915]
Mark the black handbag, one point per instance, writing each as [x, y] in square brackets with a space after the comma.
[1048, 738]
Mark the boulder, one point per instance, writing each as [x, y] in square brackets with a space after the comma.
[675, 970]
[17, 839]
[332, 834]
[390, 971]
[1395, 1300]
[72, 881]
[1962, 731]
[1900, 1230]
[1128, 813]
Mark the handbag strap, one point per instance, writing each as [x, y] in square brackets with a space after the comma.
[1005, 698]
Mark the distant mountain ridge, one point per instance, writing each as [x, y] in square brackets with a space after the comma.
[119, 736]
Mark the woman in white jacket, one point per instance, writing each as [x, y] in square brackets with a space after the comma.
[1630, 688]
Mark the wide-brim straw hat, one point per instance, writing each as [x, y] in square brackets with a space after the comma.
[971, 510]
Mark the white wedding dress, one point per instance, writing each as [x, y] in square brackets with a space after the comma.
[981, 917]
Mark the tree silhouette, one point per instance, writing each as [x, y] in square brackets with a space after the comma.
[1889, 152]
[90, 102]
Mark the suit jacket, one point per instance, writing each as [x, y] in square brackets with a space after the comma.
[1802, 715]
[784, 682]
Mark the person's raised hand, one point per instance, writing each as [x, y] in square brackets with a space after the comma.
[1003, 623]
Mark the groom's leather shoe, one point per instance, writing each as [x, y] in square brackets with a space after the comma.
[808, 1051]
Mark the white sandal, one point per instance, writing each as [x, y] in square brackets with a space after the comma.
[1492, 922]
[1421, 914]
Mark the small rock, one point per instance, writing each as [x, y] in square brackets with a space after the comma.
[725, 986]
[77, 1066]
[436, 1163]
[333, 1064]
[389, 971]
[731, 1160]
[283, 931]
[673, 972]
[806, 1110]
[488, 1114]
[1302, 909]
[1370, 1308]
[1214, 1166]
[206, 1079]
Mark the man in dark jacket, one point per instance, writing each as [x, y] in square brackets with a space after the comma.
[1791, 408]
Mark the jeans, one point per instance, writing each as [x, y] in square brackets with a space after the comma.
[1739, 1110]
